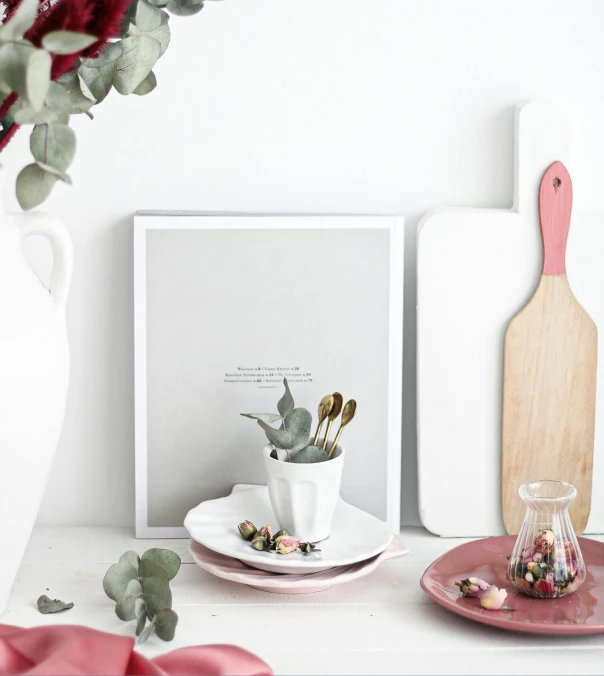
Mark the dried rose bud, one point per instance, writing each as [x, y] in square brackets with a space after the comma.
[281, 533]
[473, 587]
[493, 598]
[544, 541]
[247, 530]
[287, 544]
[523, 585]
[266, 531]
[546, 585]
[530, 566]
[260, 543]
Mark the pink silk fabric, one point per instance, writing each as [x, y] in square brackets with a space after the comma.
[74, 650]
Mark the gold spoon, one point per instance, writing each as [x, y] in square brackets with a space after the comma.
[347, 415]
[333, 414]
[325, 406]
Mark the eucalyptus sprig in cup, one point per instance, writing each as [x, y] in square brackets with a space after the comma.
[304, 476]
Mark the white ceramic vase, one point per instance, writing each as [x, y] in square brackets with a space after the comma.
[304, 495]
[34, 375]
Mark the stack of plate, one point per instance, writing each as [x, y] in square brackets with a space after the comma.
[357, 545]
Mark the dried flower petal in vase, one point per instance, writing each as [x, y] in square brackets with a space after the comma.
[546, 561]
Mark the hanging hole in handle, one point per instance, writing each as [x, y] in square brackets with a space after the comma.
[556, 183]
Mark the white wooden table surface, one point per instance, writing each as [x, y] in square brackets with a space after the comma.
[380, 624]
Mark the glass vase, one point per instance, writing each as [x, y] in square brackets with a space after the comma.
[546, 561]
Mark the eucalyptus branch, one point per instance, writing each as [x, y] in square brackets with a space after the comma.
[48, 75]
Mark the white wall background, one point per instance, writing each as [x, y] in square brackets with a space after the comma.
[383, 106]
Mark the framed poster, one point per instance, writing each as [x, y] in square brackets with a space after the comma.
[226, 305]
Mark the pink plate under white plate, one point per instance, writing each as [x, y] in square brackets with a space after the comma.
[581, 612]
[232, 569]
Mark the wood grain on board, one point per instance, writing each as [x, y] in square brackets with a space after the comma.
[550, 354]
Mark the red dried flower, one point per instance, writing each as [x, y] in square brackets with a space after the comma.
[101, 18]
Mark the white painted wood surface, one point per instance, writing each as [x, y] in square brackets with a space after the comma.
[476, 269]
[381, 624]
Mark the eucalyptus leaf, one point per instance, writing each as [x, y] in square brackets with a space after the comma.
[136, 62]
[54, 145]
[22, 20]
[140, 610]
[280, 454]
[165, 624]
[85, 90]
[147, 632]
[34, 185]
[109, 55]
[99, 80]
[23, 113]
[161, 34]
[47, 605]
[147, 85]
[130, 557]
[67, 42]
[26, 71]
[61, 175]
[58, 102]
[118, 576]
[310, 454]
[148, 568]
[147, 17]
[286, 403]
[37, 78]
[125, 607]
[157, 595]
[298, 423]
[265, 417]
[279, 438]
[185, 7]
[165, 558]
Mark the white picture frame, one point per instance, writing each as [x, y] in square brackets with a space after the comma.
[155, 240]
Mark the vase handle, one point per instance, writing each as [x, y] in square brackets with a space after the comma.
[40, 223]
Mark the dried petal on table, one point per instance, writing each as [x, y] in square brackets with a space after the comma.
[47, 605]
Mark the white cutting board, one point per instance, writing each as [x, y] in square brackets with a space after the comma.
[476, 269]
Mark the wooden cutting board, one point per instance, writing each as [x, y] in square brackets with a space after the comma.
[476, 268]
[549, 399]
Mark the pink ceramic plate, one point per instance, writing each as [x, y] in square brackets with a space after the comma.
[236, 571]
[579, 613]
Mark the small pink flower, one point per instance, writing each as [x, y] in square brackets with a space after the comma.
[473, 587]
[528, 555]
[544, 541]
[287, 543]
[493, 598]
[569, 549]
[537, 557]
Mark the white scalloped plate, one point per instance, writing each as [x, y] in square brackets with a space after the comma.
[236, 571]
[355, 535]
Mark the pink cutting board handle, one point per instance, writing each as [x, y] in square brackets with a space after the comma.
[555, 205]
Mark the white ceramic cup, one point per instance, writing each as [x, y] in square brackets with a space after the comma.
[304, 495]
